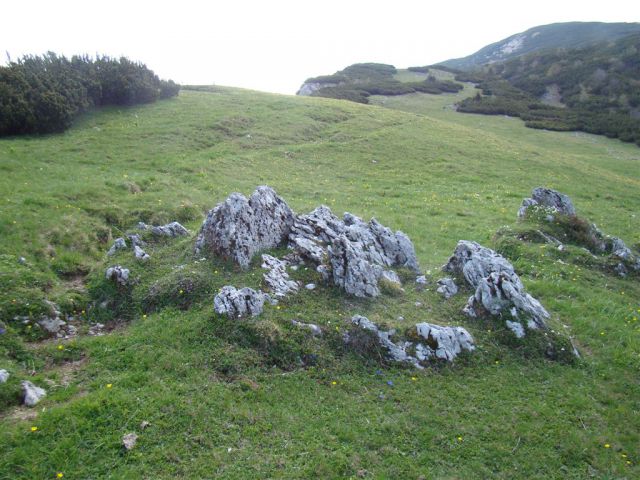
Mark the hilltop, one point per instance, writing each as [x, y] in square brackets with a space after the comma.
[545, 37]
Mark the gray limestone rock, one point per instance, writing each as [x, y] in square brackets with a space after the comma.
[118, 274]
[352, 270]
[421, 283]
[309, 249]
[173, 229]
[135, 240]
[548, 198]
[4, 376]
[310, 286]
[312, 327]
[239, 228]
[444, 343]
[396, 352]
[52, 323]
[119, 244]
[31, 394]
[234, 302]
[517, 328]
[277, 277]
[391, 278]
[447, 287]
[129, 441]
[498, 288]
[319, 226]
[619, 249]
[140, 254]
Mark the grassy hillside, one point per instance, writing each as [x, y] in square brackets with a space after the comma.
[228, 399]
[545, 37]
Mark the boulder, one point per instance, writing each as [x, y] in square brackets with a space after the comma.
[4, 376]
[118, 274]
[548, 198]
[277, 277]
[391, 278]
[129, 441]
[119, 244]
[31, 394]
[173, 229]
[234, 302]
[239, 228]
[447, 287]
[444, 343]
[320, 226]
[498, 288]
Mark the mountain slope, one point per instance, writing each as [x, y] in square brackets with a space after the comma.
[227, 398]
[556, 35]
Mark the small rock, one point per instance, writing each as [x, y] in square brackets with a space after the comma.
[119, 244]
[140, 254]
[31, 394]
[516, 328]
[310, 286]
[418, 304]
[96, 330]
[135, 240]
[142, 226]
[315, 329]
[173, 229]
[129, 441]
[4, 376]
[144, 424]
[239, 303]
[421, 283]
[277, 277]
[118, 274]
[444, 343]
[447, 287]
[22, 260]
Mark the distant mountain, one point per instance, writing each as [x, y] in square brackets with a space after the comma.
[545, 37]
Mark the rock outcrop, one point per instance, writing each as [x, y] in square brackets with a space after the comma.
[277, 277]
[239, 228]
[351, 269]
[435, 342]
[31, 394]
[235, 303]
[498, 288]
[140, 254]
[118, 274]
[548, 198]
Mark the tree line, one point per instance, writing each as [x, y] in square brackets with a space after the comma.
[43, 94]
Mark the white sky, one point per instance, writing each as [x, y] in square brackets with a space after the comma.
[274, 45]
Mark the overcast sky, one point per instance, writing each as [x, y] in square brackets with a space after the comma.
[274, 45]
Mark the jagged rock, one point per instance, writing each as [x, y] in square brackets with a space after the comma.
[447, 287]
[239, 303]
[549, 198]
[516, 328]
[313, 328]
[396, 352]
[31, 394]
[498, 287]
[118, 274]
[619, 249]
[444, 343]
[4, 376]
[135, 240]
[173, 229]
[140, 254]
[277, 277]
[309, 249]
[352, 270]
[119, 244]
[421, 283]
[239, 228]
[129, 441]
[321, 225]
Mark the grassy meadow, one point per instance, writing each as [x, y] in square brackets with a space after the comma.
[231, 398]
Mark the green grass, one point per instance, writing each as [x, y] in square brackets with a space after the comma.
[228, 398]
